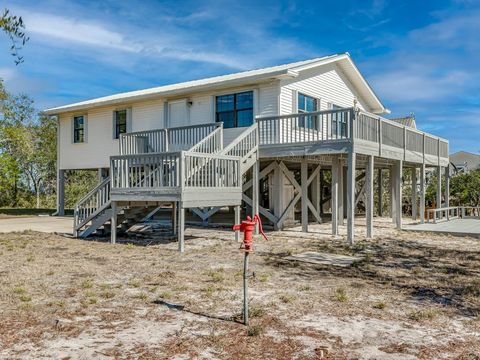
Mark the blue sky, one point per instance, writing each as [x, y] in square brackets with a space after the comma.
[419, 56]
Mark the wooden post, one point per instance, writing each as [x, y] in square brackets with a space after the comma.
[255, 189]
[414, 194]
[422, 193]
[113, 223]
[392, 194]
[334, 199]
[380, 193]
[277, 195]
[316, 193]
[237, 221]
[341, 197]
[181, 227]
[344, 191]
[102, 174]
[439, 187]
[321, 191]
[369, 195]
[398, 193]
[61, 192]
[174, 218]
[351, 197]
[304, 199]
[447, 186]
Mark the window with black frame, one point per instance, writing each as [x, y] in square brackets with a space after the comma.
[339, 122]
[78, 129]
[120, 122]
[235, 110]
[307, 104]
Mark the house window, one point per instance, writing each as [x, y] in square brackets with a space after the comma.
[78, 129]
[339, 122]
[235, 110]
[306, 104]
[120, 123]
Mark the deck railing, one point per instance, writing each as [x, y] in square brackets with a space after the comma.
[185, 137]
[145, 170]
[350, 124]
[212, 143]
[211, 170]
[174, 170]
[142, 142]
[305, 127]
[163, 140]
[453, 212]
[244, 144]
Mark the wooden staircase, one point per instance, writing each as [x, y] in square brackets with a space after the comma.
[207, 174]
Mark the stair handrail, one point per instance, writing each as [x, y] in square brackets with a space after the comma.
[83, 214]
[244, 143]
[245, 146]
[184, 137]
[212, 143]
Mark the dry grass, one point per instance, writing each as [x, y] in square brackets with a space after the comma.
[412, 294]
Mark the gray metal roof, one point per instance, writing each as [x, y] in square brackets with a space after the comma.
[245, 77]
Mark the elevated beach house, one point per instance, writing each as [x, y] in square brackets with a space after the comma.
[260, 139]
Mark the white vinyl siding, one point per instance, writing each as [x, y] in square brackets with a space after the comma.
[99, 145]
[327, 83]
[201, 109]
[148, 115]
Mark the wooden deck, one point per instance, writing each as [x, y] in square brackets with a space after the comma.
[196, 168]
[348, 130]
[457, 227]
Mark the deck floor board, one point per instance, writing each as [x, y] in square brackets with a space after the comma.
[465, 227]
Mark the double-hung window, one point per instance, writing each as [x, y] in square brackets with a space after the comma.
[78, 129]
[120, 123]
[235, 110]
[307, 104]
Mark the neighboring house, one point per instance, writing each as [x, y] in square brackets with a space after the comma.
[406, 120]
[464, 162]
[214, 142]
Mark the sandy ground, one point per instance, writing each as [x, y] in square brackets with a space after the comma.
[46, 224]
[414, 295]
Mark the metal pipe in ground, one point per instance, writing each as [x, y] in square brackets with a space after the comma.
[245, 289]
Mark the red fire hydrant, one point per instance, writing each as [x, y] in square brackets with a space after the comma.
[248, 227]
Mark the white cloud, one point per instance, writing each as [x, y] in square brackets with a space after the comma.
[76, 31]
[178, 37]
[412, 84]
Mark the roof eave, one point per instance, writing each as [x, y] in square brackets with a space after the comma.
[187, 90]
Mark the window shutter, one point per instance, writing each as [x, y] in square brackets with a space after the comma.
[255, 104]
[72, 128]
[213, 108]
[166, 123]
[85, 126]
[294, 101]
[114, 123]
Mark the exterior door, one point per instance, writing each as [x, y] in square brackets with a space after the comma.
[178, 113]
